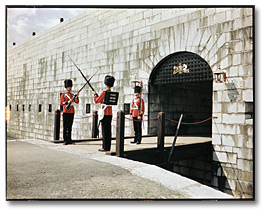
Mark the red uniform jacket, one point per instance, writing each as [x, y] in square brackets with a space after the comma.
[100, 99]
[134, 109]
[65, 97]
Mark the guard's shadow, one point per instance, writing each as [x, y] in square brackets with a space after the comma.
[233, 93]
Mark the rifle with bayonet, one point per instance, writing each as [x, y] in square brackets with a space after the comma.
[83, 74]
[87, 82]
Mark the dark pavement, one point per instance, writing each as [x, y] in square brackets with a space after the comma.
[35, 172]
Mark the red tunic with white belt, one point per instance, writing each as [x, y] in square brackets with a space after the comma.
[65, 97]
[100, 99]
[134, 109]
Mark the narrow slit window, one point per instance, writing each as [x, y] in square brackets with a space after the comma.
[249, 110]
[39, 107]
[88, 108]
[10, 107]
[17, 107]
[126, 108]
[29, 107]
[50, 108]
[23, 107]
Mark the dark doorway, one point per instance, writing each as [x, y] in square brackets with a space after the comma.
[188, 93]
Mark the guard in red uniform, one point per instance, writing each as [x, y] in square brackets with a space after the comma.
[68, 115]
[137, 111]
[106, 122]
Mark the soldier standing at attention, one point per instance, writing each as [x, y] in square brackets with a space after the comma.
[106, 122]
[137, 111]
[68, 114]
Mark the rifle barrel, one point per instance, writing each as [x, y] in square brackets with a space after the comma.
[87, 81]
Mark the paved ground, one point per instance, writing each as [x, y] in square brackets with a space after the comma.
[41, 170]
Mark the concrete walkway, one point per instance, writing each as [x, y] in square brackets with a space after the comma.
[78, 172]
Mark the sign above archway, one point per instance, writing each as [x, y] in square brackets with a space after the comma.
[181, 67]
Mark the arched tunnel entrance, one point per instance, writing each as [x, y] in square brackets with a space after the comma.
[174, 91]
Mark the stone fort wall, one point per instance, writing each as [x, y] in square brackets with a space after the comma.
[125, 42]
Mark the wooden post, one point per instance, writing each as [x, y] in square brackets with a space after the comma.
[57, 116]
[120, 133]
[95, 124]
[161, 131]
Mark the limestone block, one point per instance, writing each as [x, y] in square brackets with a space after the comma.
[226, 62]
[240, 140]
[217, 96]
[248, 95]
[233, 118]
[122, 22]
[138, 16]
[211, 42]
[244, 153]
[250, 130]
[228, 140]
[245, 165]
[148, 13]
[234, 71]
[232, 158]
[140, 24]
[241, 107]
[209, 11]
[229, 107]
[247, 21]
[220, 157]
[236, 59]
[152, 20]
[233, 13]
[245, 70]
[224, 129]
[221, 40]
[217, 107]
[204, 53]
[213, 59]
[248, 82]
[221, 148]
[249, 142]
[244, 130]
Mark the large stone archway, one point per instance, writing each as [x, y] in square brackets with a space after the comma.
[186, 93]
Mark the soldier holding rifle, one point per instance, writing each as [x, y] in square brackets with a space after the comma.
[106, 99]
[66, 101]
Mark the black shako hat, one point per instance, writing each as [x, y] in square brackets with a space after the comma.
[137, 89]
[68, 83]
[109, 80]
